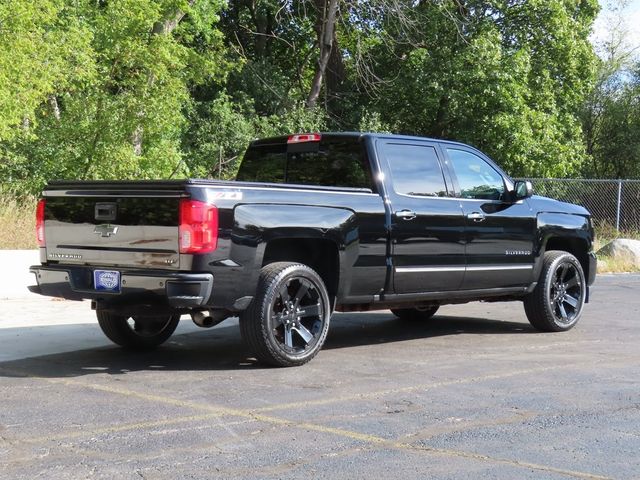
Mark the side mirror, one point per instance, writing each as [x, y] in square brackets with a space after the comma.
[522, 189]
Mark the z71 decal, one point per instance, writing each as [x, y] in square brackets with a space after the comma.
[226, 195]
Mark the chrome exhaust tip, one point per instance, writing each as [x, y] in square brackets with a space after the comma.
[208, 319]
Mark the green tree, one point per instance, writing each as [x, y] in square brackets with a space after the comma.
[119, 109]
[611, 112]
[159, 88]
[506, 76]
[32, 63]
[612, 124]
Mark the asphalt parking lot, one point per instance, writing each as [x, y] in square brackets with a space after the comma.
[474, 393]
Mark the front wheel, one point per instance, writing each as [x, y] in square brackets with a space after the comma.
[137, 332]
[288, 319]
[555, 305]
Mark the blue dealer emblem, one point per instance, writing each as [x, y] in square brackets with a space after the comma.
[107, 280]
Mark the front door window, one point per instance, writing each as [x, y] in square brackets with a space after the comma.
[476, 178]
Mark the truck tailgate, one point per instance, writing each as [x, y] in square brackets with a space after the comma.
[114, 228]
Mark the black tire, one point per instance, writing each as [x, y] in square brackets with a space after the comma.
[287, 321]
[555, 305]
[416, 313]
[138, 332]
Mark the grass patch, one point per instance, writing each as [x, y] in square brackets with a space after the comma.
[616, 265]
[605, 234]
[17, 223]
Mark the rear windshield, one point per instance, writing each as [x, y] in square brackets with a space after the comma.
[331, 162]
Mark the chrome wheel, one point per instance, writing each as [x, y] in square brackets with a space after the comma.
[297, 317]
[555, 305]
[288, 319]
[566, 293]
[137, 332]
[145, 326]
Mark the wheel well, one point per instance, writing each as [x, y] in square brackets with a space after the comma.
[319, 254]
[575, 246]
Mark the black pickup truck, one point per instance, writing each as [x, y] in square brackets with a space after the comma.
[314, 223]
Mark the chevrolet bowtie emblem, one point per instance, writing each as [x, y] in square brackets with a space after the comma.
[105, 230]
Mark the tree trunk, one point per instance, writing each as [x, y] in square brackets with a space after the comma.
[53, 103]
[164, 26]
[441, 122]
[335, 73]
[325, 27]
[263, 26]
[136, 140]
[167, 25]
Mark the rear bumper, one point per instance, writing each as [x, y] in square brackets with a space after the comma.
[138, 287]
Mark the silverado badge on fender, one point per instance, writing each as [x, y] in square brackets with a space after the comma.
[105, 230]
[517, 252]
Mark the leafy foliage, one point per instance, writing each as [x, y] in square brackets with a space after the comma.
[160, 88]
[121, 81]
[611, 117]
[507, 77]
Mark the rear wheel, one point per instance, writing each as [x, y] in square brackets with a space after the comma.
[555, 305]
[287, 321]
[416, 313]
[137, 332]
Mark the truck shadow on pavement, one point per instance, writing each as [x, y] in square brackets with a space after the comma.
[221, 348]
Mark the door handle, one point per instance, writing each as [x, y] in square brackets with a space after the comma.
[476, 216]
[406, 214]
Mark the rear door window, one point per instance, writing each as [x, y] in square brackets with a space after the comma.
[415, 170]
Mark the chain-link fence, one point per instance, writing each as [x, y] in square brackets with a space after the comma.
[612, 203]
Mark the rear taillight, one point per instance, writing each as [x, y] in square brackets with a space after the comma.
[40, 222]
[198, 227]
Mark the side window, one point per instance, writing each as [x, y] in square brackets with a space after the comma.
[415, 170]
[263, 164]
[476, 178]
[338, 163]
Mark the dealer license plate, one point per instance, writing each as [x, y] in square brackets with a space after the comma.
[106, 280]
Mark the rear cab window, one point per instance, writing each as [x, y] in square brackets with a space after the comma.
[337, 161]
